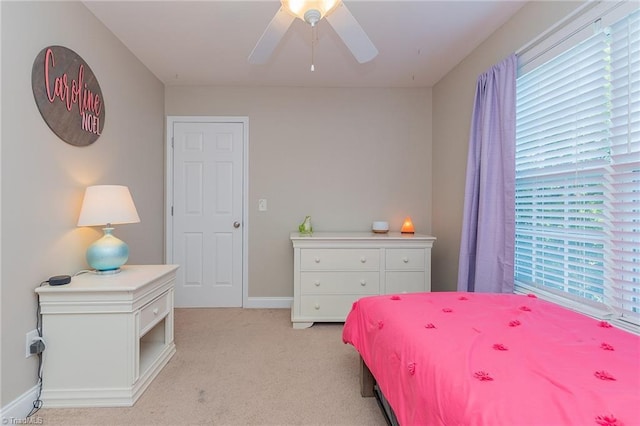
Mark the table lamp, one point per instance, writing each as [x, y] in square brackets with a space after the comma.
[107, 205]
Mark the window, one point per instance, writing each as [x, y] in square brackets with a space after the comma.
[578, 173]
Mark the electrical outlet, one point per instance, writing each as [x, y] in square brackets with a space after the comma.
[262, 205]
[32, 336]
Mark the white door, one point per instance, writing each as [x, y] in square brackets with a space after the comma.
[207, 228]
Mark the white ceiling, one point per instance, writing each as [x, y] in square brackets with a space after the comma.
[208, 42]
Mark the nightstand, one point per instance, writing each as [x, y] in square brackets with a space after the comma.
[107, 336]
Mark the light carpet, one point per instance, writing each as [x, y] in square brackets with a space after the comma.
[244, 367]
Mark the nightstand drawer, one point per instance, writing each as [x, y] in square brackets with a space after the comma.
[340, 282]
[153, 312]
[405, 259]
[327, 308]
[339, 259]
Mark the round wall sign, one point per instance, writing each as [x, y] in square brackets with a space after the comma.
[68, 95]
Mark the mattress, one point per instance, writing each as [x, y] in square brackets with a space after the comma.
[455, 358]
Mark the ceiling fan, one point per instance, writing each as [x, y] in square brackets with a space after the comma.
[312, 11]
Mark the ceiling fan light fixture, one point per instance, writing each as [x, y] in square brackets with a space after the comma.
[300, 8]
[312, 17]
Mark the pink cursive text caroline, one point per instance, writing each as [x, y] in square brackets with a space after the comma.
[74, 92]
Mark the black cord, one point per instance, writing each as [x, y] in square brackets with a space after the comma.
[37, 404]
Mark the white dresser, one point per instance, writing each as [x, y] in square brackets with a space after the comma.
[331, 270]
[106, 336]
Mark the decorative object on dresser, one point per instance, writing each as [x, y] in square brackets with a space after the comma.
[380, 227]
[305, 228]
[108, 336]
[331, 270]
[407, 226]
[107, 204]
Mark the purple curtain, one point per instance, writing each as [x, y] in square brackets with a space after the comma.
[488, 228]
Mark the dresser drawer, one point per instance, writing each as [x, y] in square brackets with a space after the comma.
[327, 307]
[340, 282]
[339, 259]
[404, 259]
[153, 312]
[405, 282]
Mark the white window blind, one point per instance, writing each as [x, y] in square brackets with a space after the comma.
[578, 172]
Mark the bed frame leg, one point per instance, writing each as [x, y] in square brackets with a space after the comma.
[366, 380]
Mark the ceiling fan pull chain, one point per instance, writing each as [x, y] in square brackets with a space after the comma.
[313, 43]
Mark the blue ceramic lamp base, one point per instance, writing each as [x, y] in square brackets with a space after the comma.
[107, 254]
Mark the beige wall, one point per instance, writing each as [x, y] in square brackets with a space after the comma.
[452, 106]
[43, 178]
[346, 157]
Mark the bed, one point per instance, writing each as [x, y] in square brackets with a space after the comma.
[455, 358]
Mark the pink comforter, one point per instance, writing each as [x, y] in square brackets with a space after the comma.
[496, 359]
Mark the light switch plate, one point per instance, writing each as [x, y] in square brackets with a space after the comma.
[262, 205]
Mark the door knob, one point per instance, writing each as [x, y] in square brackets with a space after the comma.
[236, 224]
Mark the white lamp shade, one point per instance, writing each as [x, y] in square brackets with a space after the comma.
[107, 204]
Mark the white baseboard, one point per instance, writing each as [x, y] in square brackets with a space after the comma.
[268, 302]
[16, 411]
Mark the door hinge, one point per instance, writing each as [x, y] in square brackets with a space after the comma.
[171, 210]
[171, 141]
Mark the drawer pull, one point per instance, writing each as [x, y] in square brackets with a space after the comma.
[405, 260]
[363, 259]
[317, 283]
[155, 311]
[317, 306]
[363, 283]
[317, 259]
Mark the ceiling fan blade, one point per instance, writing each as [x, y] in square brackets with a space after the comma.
[271, 37]
[352, 34]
